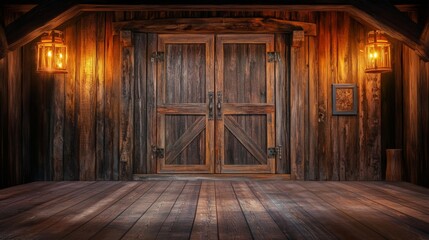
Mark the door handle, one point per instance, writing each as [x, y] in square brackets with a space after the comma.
[219, 105]
[211, 100]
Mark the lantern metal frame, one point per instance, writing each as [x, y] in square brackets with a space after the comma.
[378, 53]
[52, 53]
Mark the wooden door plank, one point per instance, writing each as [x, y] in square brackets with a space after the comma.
[413, 219]
[247, 108]
[178, 224]
[335, 221]
[94, 225]
[193, 131]
[182, 109]
[205, 223]
[293, 220]
[150, 223]
[182, 89]
[259, 220]
[11, 207]
[75, 217]
[247, 142]
[361, 212]
[121, 224]
[231, 221]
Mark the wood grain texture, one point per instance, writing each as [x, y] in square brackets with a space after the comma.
[205, 223]
[58, 127]
[112, 86]
[140, 100]
[151, 105]
[87, 96]
[312, 165]
[71, 160]
[126, 129]
[3, 124]
[231, 220]
[100, 95]
[14, 108]
[218, 25]
[216, 208]
[298, 88]
[120, 225]
[282, 104]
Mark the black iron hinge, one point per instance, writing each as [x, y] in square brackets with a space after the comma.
[275, 151]
[157, 57]
[274, 57]
[158, 152]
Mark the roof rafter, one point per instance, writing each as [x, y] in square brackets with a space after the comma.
[379, 14]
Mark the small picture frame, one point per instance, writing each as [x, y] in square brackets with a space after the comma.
[344, 99]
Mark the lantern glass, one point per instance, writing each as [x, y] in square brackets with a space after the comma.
[377, 52]
[52, 53]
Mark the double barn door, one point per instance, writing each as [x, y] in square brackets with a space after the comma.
[215, 103]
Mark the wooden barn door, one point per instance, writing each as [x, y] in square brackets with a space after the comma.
[185, 86]
[205, 125]
[245, 123]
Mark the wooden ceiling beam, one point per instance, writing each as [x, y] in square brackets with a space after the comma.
[46, 16]
[383, 16]
[219, 25]
[380, 14]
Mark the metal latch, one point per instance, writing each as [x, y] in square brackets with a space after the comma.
[157, 57]
[158, 152]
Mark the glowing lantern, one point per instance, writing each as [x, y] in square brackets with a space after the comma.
[52, 53]
[377, 52]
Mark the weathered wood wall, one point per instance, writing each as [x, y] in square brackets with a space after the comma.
[405, 117]
[85, 125]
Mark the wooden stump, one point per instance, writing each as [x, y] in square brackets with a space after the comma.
[394, 165]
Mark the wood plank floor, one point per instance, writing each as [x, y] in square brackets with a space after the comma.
[214, 209]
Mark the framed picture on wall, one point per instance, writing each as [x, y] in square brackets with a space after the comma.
[344, 99]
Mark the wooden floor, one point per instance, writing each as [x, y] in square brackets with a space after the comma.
[214, 209]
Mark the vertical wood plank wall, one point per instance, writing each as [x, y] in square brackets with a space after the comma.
[91, 123]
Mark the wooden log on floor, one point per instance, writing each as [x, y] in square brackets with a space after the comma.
[394, 165]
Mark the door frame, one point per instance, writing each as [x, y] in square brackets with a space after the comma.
[282, 101]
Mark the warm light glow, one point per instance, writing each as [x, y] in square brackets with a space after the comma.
[378, 53]
[52, 53]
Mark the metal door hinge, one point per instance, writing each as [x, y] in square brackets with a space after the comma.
[157, 57]
[158, 152]
[274, 57]
[273, 152]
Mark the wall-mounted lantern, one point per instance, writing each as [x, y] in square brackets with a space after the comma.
[377, 52]
[52, 53]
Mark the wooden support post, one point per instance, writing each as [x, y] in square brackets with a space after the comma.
[394, 165]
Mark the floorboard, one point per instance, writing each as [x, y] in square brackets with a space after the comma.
[214, 208]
